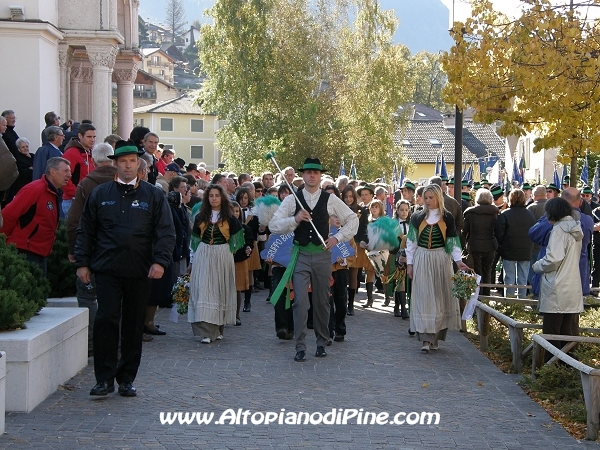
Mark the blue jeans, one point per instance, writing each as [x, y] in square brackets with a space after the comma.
[515, 272]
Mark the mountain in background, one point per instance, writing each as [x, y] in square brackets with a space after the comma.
[423, 23]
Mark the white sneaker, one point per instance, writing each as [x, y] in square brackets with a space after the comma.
[220, 337]
[434, 346]
[205, 340]
[425, 348]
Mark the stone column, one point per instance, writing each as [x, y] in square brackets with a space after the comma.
[102, 58]
[125, 80]
[135, 4]
[63, 64]
[74, 97]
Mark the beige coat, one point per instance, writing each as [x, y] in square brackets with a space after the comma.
[560, 290]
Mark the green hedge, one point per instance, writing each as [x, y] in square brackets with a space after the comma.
[23, 289]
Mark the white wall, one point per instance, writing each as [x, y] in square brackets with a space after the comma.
[30, 86]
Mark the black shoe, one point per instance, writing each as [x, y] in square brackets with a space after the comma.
[155, 332]
[386, 302]
[412, 333]
[282, 333]
[102, 388]
[127, 390]
[339, 338]
[350, 311]
[268, 299]
[405, 315]
[300, 356]
[320, 353]
[397, 312]
[238, 322]
[247, 307]
[289, 336]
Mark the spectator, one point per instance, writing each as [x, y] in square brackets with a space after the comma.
[515, 247]
[55, 137]
[24, 166]
[165, 159]
[31, 219]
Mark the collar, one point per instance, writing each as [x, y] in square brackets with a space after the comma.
[131, 183]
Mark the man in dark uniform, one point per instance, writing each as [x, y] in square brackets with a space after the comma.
[125, 237]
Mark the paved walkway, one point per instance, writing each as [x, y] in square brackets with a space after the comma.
[378, 368]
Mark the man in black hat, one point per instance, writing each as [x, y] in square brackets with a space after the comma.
[125, 238]
[313, 264]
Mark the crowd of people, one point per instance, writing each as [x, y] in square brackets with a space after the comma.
[138, 217]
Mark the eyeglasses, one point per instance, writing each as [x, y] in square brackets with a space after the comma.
[257, 190]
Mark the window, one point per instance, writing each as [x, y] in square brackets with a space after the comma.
[197, 125]
[141, 122]
[168, 146]
[197, 151]
[156, 60]
[435, 142]
[405, 143]
[166, 124]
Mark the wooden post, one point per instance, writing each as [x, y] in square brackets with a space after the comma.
[591, 394]
[463, 323]
[483, 323]
[537, 358]
[516, 346]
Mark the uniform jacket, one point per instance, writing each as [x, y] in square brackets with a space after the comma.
[560, 286]
[81, 165]
[124, 230]
[31, 219]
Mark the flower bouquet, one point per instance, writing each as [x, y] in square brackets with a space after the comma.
[181, 293]
[464, 284]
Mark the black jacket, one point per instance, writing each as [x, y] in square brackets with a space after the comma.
[512, 233]
[123, 232]
[478, 228]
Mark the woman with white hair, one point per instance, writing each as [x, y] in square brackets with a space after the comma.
[25, 168]
[432, 244]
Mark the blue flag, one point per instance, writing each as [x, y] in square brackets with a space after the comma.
[353, 175]
[564, 174]
[443, 171]
[584, 177]
[516, 176]
[437, 164]
[342, 168]
[401, 180]
[482, 171]
[556, 180]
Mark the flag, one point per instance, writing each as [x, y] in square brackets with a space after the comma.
[494, 175]
[556, 180]
[401, 180]
[395, 177]
[464, 171]
[564, 174]
[437, 165]
[516, 175]
[584, 177]
[470, 172]
[443, 171]
[353, 175]
[522, 165]
[383, 178]
[596, 179]
[342, 168]
[482, 171]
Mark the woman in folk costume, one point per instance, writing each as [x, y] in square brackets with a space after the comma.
[431, 246]
[244, 198]
[350, 198]
[402, 215]
[377, 258]
[241, 262]
[212, 303]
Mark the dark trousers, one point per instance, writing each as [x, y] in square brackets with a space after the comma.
[38, 260]
[119, 300]
[559, 323]
[482, 265]
[284, 318]
[338, 302]
[596, 261]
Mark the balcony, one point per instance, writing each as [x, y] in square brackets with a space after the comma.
[144, 94]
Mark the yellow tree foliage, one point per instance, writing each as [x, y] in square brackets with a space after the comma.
[539, 72]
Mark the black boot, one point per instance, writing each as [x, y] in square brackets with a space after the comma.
[404, 312]
[369, 296]
[387, 296]
[247, 295]
[397, 304]
[351, 294]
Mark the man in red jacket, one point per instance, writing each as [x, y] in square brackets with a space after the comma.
[31, 219]
[79, 154]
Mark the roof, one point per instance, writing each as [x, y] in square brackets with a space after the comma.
[142, 77]
[149, 51]
[422, 140]
[184, 104]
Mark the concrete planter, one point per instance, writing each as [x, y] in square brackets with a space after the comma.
[2, 389]
[38, 359]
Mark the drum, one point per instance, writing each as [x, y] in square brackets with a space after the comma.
[378, 260]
